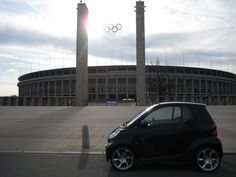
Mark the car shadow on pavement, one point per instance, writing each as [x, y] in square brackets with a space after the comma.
[83, 158]
[153, 169]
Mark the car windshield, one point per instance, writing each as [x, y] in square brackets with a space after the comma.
[131, 121]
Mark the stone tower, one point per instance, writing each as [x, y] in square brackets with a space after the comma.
[82, 56]
[140, 55]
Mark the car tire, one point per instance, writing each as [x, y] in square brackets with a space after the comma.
[122, 158]
[207, 159]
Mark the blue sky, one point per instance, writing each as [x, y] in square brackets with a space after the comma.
[40, 34]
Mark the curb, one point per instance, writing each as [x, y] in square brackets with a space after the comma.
[55, 152]
[74, 152]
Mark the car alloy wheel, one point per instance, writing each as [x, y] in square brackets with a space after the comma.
[207, 159]
[122, 158]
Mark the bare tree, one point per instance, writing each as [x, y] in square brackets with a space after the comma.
[157, 81]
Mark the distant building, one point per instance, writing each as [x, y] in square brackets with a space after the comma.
[108, 84]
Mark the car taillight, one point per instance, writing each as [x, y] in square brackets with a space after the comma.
[214, 129]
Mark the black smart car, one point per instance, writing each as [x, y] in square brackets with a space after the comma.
[183, 132]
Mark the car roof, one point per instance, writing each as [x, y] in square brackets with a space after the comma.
[181, 103]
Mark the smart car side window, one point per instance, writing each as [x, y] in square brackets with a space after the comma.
[170, 114]
[176, 113]
[187, 114]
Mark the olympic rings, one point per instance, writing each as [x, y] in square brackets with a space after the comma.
[113, 28]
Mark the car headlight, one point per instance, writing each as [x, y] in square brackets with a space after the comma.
[114, 134]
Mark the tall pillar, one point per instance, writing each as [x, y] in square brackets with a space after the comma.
[82, 56]
[140, 55]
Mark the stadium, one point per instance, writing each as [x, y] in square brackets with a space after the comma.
[117, 85]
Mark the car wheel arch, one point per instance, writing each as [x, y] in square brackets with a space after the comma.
[208, 145]
[123, 146]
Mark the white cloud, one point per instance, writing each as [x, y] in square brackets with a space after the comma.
[8, 90]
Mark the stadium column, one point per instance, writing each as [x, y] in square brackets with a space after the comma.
[48, 94]
[200, 90]
[38, 89]
[32, 101]
[96, 90]
[1, 101]
[17, 101]
[184, 89]
[42, 89]
[218, 92]
[117, 90]
[212, 91]
[106, 89]
[176, 89]
[55, 88]
[126, 89]
[48, 88]
[208, 94]
[70, 86]
[140, 55]
[24, 101]
[192, 91]
[9, 101]
[82, 56]
[33, 89]
[167, 89]
[62, 88]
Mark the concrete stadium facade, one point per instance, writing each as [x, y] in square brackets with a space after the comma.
[117, 84]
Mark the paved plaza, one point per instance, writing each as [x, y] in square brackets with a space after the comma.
[83, 129]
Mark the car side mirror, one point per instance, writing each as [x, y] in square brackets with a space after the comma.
[144, 124]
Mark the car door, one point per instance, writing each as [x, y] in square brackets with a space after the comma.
[160, 137]
[189, 132]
